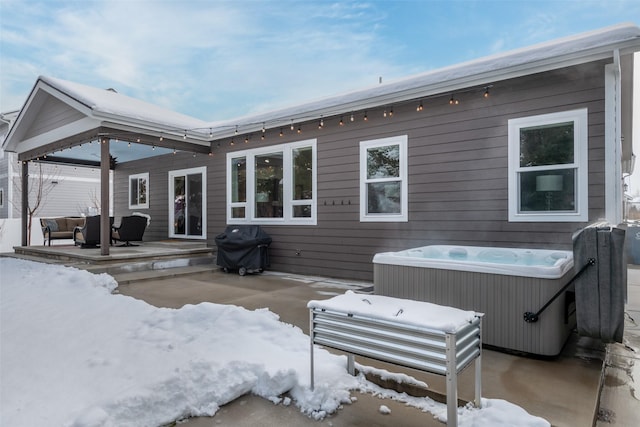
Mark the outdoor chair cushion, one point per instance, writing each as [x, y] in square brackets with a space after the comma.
[131, 229]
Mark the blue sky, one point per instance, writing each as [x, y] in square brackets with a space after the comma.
[217, 60]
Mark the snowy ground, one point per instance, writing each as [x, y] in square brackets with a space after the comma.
[73, 354]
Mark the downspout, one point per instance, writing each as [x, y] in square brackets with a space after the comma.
[613, 183]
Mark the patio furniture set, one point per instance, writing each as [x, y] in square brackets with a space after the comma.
[85, 231]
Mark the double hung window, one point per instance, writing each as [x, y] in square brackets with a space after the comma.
[273, 185]
[383, 179]
[139, 191]
[548, 167]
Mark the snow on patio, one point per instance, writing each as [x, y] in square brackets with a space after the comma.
[74, 354]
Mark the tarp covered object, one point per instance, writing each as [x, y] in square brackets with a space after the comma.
[601, 291]
[243, 246]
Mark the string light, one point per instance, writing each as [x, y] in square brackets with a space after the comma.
[420, 107]
[365, 118]
[453, 101]
[385, 113]
[185, 134]
[341, 122]
[153, 147]
[291, 124]
[299, 129]
[210, 133]
[161, 138]
[486, 92]
[129, 144]
[281, 132]
[236, 130]
[232, 143]
[263, 129]
[352, 119]
[391, 112]
[246, 139]
[174, 151]
[321, 123]
[138, 139]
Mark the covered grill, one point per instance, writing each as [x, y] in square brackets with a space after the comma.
[244, 248]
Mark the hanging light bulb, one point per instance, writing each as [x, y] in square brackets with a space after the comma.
[281, 132]
[129, 144]
[210, 154]
[185, 135]
[419, 107]
[365, 118]
[486, 92]
[210, 133]
[453, 101]
[263, 129]
[153, 147]
[299, 129]
[321, 123]
[232, 143]
[138, 139]
[291, 124]
[341, 122]
[174, 151]
[246, 139]
[352, 119]
[236, 130]
[161, 137]
[391, 112]
[262, 137]
[385, 113]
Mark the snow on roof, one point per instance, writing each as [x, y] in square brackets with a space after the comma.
[558, 53]
[110, 103]
[553, 54]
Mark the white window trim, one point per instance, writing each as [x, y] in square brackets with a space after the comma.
[180, 172]
[403, 216]
[580, 154]
[287, 178]
[2, 197]
[140, 205]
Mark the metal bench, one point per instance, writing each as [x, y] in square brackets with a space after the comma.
[409, 344]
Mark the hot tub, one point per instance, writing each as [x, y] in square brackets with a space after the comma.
[503, 283]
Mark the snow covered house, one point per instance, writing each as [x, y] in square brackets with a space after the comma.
[518, 149]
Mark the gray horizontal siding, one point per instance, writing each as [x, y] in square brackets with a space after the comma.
[457, 177]
[53, 114]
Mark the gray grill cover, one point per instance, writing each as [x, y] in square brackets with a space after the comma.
[602, 289]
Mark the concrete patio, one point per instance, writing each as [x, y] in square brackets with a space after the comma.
[589, 384]
[564, 390]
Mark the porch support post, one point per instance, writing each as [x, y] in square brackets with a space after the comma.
[105, 226]
[25, 199]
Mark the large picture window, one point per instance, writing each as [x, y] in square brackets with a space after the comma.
[187, 203]
[272, 185]
[383, 179]
[139, 191]
[548, 167]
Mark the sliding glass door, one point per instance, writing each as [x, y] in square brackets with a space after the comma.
[187, 203]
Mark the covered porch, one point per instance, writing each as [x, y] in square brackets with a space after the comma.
[68, 123]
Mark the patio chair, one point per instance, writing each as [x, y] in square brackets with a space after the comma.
[131, 229]
[88, 236]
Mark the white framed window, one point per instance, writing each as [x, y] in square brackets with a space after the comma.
[383, 180]
[139, 191]
[1, 197]
[188, 203]
[548, 169]
[273, 185]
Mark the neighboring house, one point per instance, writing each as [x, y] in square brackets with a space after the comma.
[69, 190]
[519, 150]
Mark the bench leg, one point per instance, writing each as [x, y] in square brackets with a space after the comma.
[351, 365]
